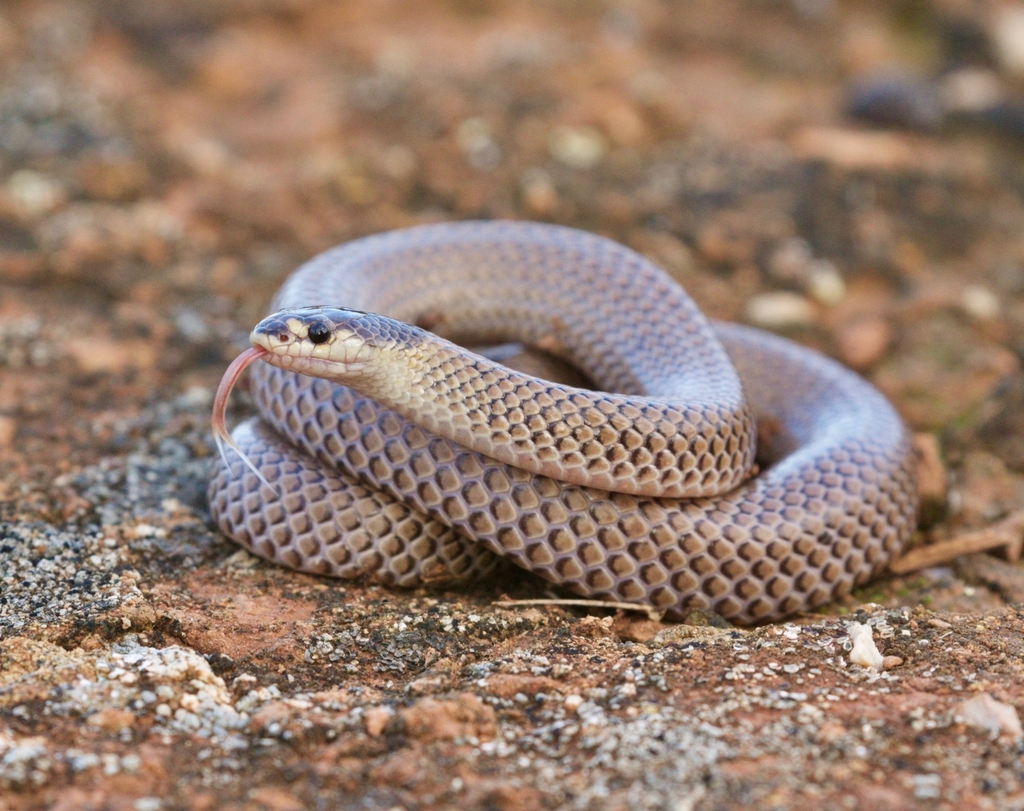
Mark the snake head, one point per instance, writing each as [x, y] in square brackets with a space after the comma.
[335, 343]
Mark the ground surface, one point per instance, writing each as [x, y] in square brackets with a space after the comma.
[163, 165]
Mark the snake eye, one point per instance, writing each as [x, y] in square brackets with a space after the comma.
[319, 332]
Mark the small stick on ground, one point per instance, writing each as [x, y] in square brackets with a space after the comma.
[1007, 534]
[652, 613]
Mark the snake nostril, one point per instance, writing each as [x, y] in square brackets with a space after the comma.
[283, 337]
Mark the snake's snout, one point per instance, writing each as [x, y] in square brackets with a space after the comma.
[275, 334]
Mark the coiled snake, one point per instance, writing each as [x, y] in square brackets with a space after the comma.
[431, 460]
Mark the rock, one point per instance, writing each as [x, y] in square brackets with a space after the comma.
[8, 428]
[594, 627]
[927, 786]
[112, 720]
[684, 634]
[476, 142]
[114, 180]
[624, 125]
[577, 147]
[790, 260]
[825, 283]
[970, 90]
[539, 193]
[637, 630]
[506, 685]
[855, 150]
[95, 354]
[979, 302]
[375, 719]
[273, 714]
[427, 684]
[902, 101]
[779, 311]
[864, 652]
[985, 713]
[1007, 33]
[34, 194]
[431, 719]
[862, 343]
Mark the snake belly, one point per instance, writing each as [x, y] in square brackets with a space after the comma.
[363, 493]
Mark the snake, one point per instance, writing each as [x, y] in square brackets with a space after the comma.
[703, 465]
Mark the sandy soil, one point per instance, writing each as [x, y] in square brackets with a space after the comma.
[164, 165]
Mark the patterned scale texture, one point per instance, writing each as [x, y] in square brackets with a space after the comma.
[836, 501]
[325, 521]
[621, 320]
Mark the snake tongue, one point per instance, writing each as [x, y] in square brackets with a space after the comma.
[220, 405]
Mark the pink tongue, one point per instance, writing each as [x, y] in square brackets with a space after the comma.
[220, 403]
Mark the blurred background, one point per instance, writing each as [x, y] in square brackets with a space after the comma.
[848, 172]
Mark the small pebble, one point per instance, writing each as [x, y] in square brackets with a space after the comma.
[927, 786]
[970, 90]
[95, 354]
[477, 144]
[539, 193]
[376, 718]
[985, 713]
[8, 428]
[623, 124]
[779, 310]
[573, 702]
[898, 100]
[790, 261]
[825, 283]
[864, 652]
[34, 194]
[577, 147]
[1008, 37]
[857, 150]
[980, 303]
[862, 343]
[889, 662]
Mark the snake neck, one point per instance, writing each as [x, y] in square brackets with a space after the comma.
[613, 442]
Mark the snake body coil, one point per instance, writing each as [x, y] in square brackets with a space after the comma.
[644, 495]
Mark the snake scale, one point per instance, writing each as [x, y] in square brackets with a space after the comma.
[431, 462]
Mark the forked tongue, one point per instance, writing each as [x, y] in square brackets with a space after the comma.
[220, 405]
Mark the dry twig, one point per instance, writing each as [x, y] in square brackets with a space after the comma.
[652, 613]
[1007, 534]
